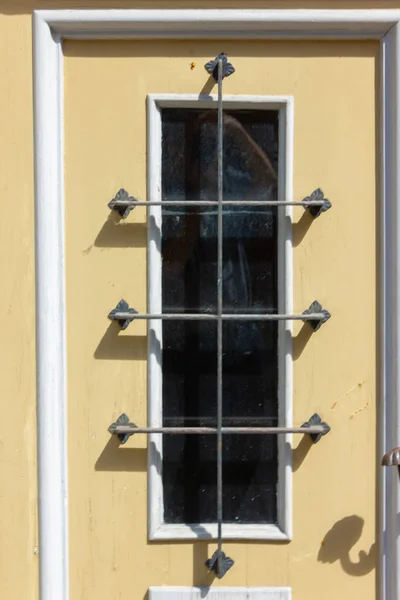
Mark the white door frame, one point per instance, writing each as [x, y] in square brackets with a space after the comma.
[49, 30]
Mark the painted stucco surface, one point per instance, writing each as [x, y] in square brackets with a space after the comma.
[335, 92]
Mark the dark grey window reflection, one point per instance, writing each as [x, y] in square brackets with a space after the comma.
[189, 284]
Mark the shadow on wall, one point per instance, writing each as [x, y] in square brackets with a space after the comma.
[115, 457]
[117, 234]
[338, 543]
[300, 341]
[116, 347]
[202, 578]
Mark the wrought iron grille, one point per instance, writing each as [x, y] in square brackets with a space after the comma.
[123, 203]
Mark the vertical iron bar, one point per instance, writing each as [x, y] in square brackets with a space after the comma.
[220, 129]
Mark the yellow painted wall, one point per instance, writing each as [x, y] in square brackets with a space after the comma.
[335, 371]
[348, 88]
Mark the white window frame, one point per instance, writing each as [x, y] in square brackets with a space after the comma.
[50, 28]
[220, 593]
[158, 530]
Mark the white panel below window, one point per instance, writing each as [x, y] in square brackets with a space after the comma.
[220, 593]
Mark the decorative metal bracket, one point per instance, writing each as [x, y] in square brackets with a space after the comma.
[313, 421]
[122, 306]
[219, 563]
[122, 203]
[122, 420]
[212, 66]
[317, 196]
[315, 307]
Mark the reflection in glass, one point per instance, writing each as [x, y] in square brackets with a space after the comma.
[189, 284]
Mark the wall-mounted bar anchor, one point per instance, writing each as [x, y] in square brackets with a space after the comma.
[322, 315]
[212, 66]
[219, 563]
[122, 203]
[123, 420]
[317, 196]
[128, 314]
[316, 421]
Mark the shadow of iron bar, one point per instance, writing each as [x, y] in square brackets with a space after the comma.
[116, 347]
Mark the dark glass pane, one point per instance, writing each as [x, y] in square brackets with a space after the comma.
[189, 172]
[189, 284]
[189, 399]
[189, 251]
[249, 260]
[250, 399]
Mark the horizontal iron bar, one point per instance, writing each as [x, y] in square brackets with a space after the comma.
[126, 316]
[315, 430]
[133, 203]
[314, 427]
[203, 418]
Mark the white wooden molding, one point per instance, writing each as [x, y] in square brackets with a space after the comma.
[220, 593]
[50, 313]
[119, 23]
[158, 529]
[49, 29]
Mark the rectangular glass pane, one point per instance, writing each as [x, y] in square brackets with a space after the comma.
[189, 284]
[189, 399]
